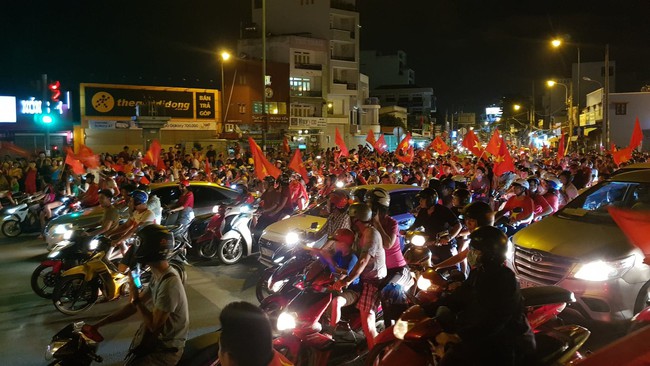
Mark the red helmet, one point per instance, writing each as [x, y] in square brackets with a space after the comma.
[185, 183]
[345, 236]
[339, 198]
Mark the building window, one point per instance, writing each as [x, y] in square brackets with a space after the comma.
[621, 109]
[241, 79]
[301, 58]
[302, 110]
[271, 108]
[242, 108]
[299, 85]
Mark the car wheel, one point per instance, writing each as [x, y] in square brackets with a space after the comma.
[643, 299]
[11, 228]
[230, 250]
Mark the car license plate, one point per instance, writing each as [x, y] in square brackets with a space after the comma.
[526, 284]
[266, 252]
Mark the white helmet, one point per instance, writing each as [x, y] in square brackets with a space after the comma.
[522, 182]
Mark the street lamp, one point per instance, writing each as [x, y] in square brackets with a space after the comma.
[516, 107]
[557, 43]
[569, 103]
[225, 56]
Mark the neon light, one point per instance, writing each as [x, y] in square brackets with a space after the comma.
[31, 106]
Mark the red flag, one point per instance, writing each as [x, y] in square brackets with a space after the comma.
[297, 165]
[637, 135]
[635, 224]
[153, 154]
[11, 147]
[371, 138]
[87, 157]
[381, 145]
[71, 160]
[494, 146]
[341, 143]
[560, 147]
[439, 145]
[612, 147]
[404, 144]
[263, 167]
[285, 146]
[503, 161]
[471, 143]
[405, 157]
[622, 156]
[208, 170]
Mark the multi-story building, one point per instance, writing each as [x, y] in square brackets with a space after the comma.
[386, 68]
[418, 101]
[320, 40]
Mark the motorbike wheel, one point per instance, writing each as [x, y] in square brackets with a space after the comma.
[377, 353]
[73, 295]
[43, 281]
[262, 290]
[210, 249]
[230, 251]
[180, 268]
[11, 228]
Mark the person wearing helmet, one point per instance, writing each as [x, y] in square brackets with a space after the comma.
[447, 187]
[519, 202]
[459, 199]
[436, 219]
[162, 305]
[552, 194]
[185, 204]
[488, 311]
[542, 208]
[568, 190]
[90, 197]
[341, 262]
[370, 269]
[480, 185]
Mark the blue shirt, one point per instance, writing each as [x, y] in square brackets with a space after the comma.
[348, 262]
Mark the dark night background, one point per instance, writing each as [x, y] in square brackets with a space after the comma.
[472, 52]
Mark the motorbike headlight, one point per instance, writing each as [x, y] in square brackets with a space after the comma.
[286, 321]
[68, 234]
[418, 240]
[60, 229]
[424, 283]
[53, 254]
[93, 244]
[401, 328]
[292, 238]
[277, 286]
[215, 209]
[340, 184]
[52, 348]
[602, 271]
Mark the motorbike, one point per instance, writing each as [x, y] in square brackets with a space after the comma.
[236, 239]
[70, 346]
[299, 322]
[417, 339]
[70, 252]
[208, 242]
[24, 217]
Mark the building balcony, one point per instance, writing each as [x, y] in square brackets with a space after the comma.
[343, 58]
[342, 35]
[343, 5]
[306, 94]
[309, 66]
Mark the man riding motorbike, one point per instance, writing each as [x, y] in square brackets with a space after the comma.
[162, 305]
[487, 310]
[518, 220]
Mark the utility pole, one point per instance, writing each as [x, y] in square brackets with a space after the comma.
[605, 134]
[45, 108]
[265, 124]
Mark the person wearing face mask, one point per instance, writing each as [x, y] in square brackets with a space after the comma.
[487, 311]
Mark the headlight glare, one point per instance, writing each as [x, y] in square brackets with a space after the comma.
[286, 321]
[93, 244]
[602, 271]
[60, 229]
[418, 240]
[292, 238]
[68, 234]
[277, 286]
[423, 283]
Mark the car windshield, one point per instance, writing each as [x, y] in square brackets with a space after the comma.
[319, 210]
[594, 202]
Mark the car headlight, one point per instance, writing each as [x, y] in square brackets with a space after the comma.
[286, 321]
[52, 348]
[93, 244]
[292, 238]
[510, 252]
[602, 271]
[418, 240]
[424, 283]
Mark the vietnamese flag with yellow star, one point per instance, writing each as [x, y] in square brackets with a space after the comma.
[297, 165]
[503, 161]
[439, 146]
[494, 146]
[263, 168]
[471, 143]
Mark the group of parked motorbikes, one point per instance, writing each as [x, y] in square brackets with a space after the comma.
[295, 291]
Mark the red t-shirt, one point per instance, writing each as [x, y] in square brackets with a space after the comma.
[186, 200]
[526, 204]
[91, 197]
[394, 257]
[553, 200]
[540, 204]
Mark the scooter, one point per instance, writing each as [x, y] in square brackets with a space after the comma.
[301, 340]
[208, 243]
[22, 218]
[68, 253]
[70, 346]
[236, 239]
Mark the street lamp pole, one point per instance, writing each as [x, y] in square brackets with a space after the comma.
[605, 133]
[264, 114]
[224, 57]
[568, 100]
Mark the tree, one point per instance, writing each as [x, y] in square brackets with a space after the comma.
[388, 120]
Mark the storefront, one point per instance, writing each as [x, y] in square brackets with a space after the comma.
[108, 123]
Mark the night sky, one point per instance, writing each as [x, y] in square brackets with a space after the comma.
[471, 52]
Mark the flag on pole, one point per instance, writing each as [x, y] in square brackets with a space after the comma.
[87, 157]
[494, 146]
[371, 139]
[637, 135]
[285, 146]
[341, 143]
[560, 147]
[297, 165]
[381, 145]
[622, 155]
[75, 164]
[471, 143]
[503, 161]
[439, 145]
[263, 168]
[208, 170]
[153, 154]
[404, 144]
[407, 156]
